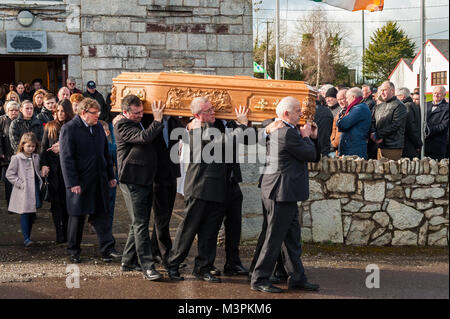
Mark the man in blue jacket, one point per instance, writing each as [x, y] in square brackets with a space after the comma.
[354, 125]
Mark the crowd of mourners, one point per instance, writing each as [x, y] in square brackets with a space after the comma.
[381, 123]
[52, 148]
[30, 123]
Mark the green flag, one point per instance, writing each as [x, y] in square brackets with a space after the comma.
[257, 68]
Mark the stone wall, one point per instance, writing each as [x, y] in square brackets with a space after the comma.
[103, 38]
[198, 36]
[358, 202]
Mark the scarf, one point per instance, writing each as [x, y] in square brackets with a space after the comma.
[355, 102]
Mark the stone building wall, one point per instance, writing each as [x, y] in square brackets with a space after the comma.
[198, 36]
[103, 38]
[358, 202]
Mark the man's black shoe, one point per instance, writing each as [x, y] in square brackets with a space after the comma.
[76, 259]
[274, 280]
[214, 271]
[207, 277]
[157, 259]
[267, 288]
[126, 267]
[306, 286]
[152, 274]
[110, 256]
[174, 275]
[235, 270]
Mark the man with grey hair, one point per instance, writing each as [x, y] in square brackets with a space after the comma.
[335, 134]
[413, 142]
[204, 193]
[354, 124]
[388, 123]
[283, 183]
[63, 93]
[436, 141]
[367, 96]
[71, 85]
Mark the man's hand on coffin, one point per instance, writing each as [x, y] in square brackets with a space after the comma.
[117, 118]
[157, 110]
[305, 130]
[241, 115]
[274, 126]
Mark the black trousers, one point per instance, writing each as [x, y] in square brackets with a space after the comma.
[283, 234]
[262, 236]
[163, 201]
[102, 224]
[203, 218]
[60, 218]
[138, 200]
[8, 186]
[233, 224]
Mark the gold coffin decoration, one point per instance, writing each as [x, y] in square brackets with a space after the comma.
[225, 93]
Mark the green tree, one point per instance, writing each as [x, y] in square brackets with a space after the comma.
[388, 45]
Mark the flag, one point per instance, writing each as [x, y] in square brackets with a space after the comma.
[283, 64]
[257, 68]
[355, 5]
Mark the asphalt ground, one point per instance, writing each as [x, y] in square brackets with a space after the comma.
[41, 271]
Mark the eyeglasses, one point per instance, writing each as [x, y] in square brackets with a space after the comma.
[93, 113]
[210, 111]
[137, 113]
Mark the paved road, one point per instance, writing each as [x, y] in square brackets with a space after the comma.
[40, 272]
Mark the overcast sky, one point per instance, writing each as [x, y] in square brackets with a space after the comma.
[405, 12]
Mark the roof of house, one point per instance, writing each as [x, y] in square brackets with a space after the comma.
[441, 45]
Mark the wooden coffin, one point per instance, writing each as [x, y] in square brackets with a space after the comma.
[225, 93]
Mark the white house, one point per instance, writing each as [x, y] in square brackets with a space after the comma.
[406, 73]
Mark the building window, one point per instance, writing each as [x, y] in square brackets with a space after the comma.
[439, 78]
[418, 80]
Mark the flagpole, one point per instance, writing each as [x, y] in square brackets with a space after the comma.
[363, 47]
[277, 42]
[422, 89]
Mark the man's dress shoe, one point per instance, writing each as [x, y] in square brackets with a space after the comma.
[76, 259]
[152, 274]
[110, 256]
[214, 271]
[306, 286]
[126, 267]
[235, 270]
[207, 277]
[267, 288]
[174, 275]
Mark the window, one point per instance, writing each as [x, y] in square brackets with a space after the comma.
[439, 78]
[418, 80]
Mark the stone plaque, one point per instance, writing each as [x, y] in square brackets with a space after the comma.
[225, 93]
[26, 41]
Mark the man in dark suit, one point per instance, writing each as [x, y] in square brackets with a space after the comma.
[233, 212]
[436, 132]
[283, 183]
[137, 163]
[88, 172]
[204, 192]
[413, 142]
[164, 190]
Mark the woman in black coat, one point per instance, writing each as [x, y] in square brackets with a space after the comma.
[12, 112]
[51, 167]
